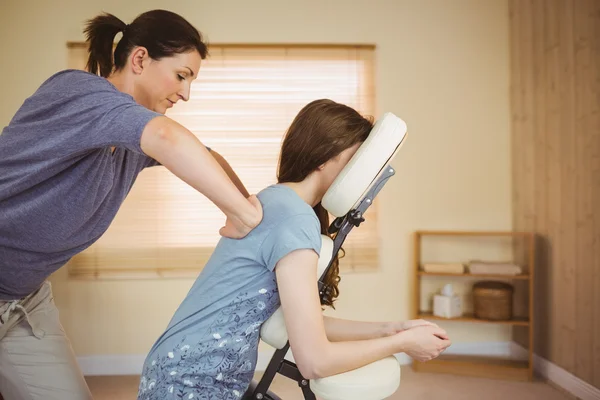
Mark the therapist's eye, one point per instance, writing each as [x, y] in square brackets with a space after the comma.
[180, 77]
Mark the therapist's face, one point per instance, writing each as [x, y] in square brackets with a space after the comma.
[160, 84]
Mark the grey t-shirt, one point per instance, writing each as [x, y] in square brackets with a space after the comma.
[210, 347]
[60, 183]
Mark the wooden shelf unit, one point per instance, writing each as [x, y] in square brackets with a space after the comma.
[482, 276]
[486, 367]
[470, 318]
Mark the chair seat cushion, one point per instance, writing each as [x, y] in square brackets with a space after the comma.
[375, 381]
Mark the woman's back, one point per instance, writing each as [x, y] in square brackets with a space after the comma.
[210, 345]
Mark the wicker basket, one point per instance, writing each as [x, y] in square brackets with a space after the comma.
[492, 300]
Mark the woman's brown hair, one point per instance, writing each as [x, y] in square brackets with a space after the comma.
[163, 33]
[320, 131]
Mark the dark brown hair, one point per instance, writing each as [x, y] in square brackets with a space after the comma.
[162, 33]
[320, 131]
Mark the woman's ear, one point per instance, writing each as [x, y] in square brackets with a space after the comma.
[138, 57]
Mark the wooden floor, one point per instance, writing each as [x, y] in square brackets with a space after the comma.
[414, 386]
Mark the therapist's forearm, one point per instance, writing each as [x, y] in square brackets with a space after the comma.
[183, 154]
[230, 172]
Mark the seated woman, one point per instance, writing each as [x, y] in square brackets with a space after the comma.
[209, 349]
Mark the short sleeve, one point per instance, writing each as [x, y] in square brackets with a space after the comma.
[76, 111]
[121, 124]
[294, 233]
[112, 118]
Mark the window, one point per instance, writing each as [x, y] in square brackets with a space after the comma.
[241, 105]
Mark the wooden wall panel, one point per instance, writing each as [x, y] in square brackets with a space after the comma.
[518, 119]
[555, 100]
[563, 63]
[584, 204]
[594, 139]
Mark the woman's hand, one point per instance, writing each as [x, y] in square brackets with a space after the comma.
[398, 326]
[423, 343]
[236, 228]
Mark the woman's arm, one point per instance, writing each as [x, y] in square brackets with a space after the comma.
[317, 356]
[230, 172]
[181, 152]
[339, 330]
[342, 329]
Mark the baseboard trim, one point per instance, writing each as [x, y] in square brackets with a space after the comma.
[562, 378]
[565, 379]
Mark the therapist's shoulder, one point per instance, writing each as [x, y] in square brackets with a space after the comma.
[72, 77]
[70, 82]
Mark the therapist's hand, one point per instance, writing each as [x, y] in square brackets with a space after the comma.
[236, 227]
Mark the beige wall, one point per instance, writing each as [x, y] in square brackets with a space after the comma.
[441, 65]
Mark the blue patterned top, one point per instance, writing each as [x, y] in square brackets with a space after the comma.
[210, 348]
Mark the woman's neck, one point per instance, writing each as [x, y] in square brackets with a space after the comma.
[308, 190]
[122, 83]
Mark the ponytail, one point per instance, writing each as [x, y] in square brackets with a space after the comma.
[162, 33]
[332, 279]
[100, 34]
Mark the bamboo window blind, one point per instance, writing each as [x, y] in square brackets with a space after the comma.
[241, 104]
